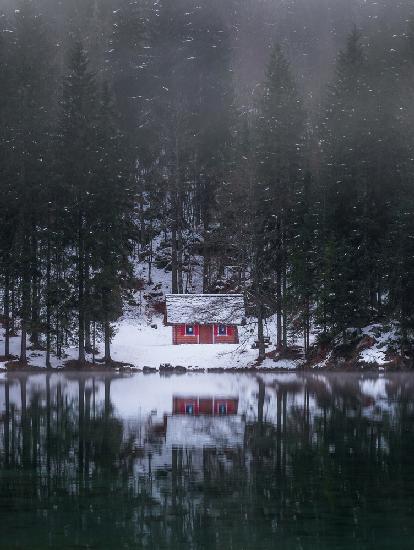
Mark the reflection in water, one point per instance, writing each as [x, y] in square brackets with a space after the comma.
[207, 461]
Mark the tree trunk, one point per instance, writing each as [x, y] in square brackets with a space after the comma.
[94, 342]
[25, 315]
[48, 305]
[57, 280]
[88, 343]
[13, 310]
[34, 337]
[279, 337]
[107, 337]
[58, 336]
[177, 204]
[81, 292]
[174, 269]
[180, 261]
[7, 310]
[206, 264]
[88, 337]
[284, 307]
[150, 254]
[260, 335]
[306, 327]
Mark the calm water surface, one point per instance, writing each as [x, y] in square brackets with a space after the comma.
[207, 461]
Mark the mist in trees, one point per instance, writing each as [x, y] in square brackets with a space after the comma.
[273, 137]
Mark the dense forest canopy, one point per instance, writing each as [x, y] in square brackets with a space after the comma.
[274, 137]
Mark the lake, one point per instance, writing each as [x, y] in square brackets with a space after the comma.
[200, 461]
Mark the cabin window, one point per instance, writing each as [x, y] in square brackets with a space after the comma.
[189, 330]
[222, 330]
[189, 408]
[222, 409]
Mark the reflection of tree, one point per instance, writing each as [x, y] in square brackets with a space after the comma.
[106, 433]
[331, 461]
[6, 424]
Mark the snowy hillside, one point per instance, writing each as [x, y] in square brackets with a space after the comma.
[143, 341]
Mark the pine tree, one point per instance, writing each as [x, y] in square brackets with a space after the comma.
[77, 159]
[399, 249]
[303, 252]
[344, 141]
[9, 209]
[213, 125]
[280, 130]
[31, 109]
[112, 225]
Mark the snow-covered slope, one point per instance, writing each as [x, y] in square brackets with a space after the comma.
[142, 340]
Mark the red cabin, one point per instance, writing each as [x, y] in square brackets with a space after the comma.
[204, 318]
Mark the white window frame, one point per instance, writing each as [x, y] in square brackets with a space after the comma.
[189, 325]
[218, 329]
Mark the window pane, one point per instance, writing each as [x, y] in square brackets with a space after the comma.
[189, 330]
[222, 330]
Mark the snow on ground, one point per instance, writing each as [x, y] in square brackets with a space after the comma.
[373, 355]
[142, 340]
[324, 363]
[35, 358]
[139, 344]
[288, 364]
[383, 339]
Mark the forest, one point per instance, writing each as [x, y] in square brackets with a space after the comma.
[269, 143]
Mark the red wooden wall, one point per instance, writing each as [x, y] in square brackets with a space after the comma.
[232, 336]
[180, 337]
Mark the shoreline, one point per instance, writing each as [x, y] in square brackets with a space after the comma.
[180, 370]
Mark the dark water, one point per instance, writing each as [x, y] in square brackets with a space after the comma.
[274, 461]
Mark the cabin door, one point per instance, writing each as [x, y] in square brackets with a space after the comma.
[206, 334]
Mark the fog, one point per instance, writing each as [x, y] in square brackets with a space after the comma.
[310, 31]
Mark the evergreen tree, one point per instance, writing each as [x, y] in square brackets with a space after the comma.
[345, 132]
[304, 268]
[400, 245]
[280, 129]
[9, 208]
[112, 223]
[29, 128]
[78, 160]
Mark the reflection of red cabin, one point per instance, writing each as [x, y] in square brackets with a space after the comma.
[209, 406]
[204, 318]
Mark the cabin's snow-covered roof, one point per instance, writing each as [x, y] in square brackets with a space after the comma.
[205, 308]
